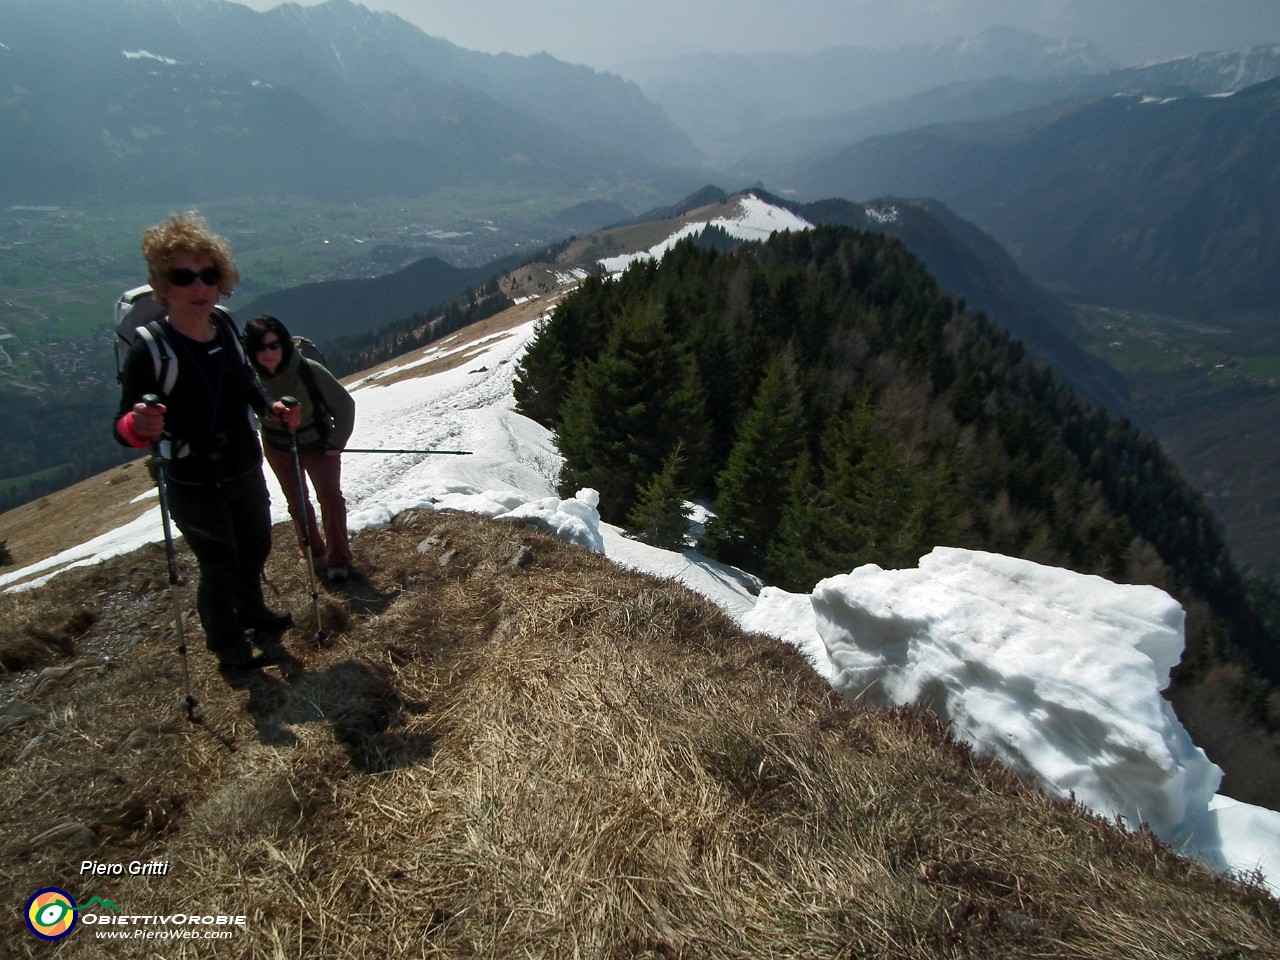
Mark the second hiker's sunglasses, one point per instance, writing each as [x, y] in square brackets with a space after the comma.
[185, 277]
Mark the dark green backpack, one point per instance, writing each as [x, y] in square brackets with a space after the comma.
[324, 416]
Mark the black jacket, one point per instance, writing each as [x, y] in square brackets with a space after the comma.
[210, 432]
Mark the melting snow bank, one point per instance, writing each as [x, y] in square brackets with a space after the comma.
[1056, 674]
[575, 521]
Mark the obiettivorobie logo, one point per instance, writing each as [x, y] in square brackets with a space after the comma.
[51, 913]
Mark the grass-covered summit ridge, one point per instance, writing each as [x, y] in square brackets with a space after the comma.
[548, 757]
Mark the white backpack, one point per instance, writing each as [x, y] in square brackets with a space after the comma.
[138, 316]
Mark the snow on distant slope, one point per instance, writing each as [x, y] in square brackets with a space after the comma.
[757, 220]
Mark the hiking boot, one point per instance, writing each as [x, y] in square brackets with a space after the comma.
[235, 657]
[267, 621]
[269, 642]
[338, 573]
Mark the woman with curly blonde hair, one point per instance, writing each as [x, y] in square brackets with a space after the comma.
[185, 233]
[202, 429]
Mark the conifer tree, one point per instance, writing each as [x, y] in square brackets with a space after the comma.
[573, 335]
[660, 517]
[626, 411]
[878, 500]
[541, 375]
[752, 488]
[799, 555]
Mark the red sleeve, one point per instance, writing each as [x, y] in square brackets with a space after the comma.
[124, 427]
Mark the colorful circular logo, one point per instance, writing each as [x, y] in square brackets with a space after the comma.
[51, 913]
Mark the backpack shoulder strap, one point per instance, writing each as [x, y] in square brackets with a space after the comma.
[225, 318]
[163, 360]
[309, 381]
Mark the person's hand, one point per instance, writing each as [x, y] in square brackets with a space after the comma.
[333, 452]
[291, 416]
[148, 420]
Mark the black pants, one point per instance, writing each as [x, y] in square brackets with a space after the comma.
[228, 527]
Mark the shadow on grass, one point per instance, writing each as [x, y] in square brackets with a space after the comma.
[362, 707]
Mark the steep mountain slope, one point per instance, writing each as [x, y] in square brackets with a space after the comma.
[330, 310]
[801, 136]
[551, 757]
[905, 420]
[1164, 206]
[964, 259]
[852, 416]
[147, 98]
[1164, 210]
[970, 264]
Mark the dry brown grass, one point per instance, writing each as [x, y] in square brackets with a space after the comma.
[585, 250]
[38, 530]
[475, 338]
[554, 759]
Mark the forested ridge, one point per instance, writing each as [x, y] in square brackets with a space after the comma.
[51, 444]
[838, 408]
[362, 351]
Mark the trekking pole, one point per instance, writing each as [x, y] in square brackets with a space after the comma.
[189, 702]
[450, 453]
[319, 637]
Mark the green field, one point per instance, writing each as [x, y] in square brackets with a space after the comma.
[1150, 349]
[1211, 397]
[62, 268]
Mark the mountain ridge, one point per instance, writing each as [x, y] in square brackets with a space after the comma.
[1155, 205]
[722, 99]
[972, 100]
[332, 99]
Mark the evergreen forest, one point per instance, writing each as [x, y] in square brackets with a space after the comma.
[837, 408]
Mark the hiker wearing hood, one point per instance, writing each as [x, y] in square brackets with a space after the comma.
[327, 419]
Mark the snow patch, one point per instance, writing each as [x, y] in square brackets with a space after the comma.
[563, 278]
[756, 220]
[148, 55]
[886, 214]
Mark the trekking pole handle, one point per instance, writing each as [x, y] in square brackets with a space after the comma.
[151, 400]
[290, 402]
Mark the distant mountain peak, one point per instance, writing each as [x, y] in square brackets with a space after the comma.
[1220, 71]
[326, 100]
[1026, 53]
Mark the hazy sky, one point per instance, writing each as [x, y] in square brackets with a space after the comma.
[605, 33]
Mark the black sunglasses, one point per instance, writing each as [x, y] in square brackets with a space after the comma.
[268, 345]
[185, 277]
